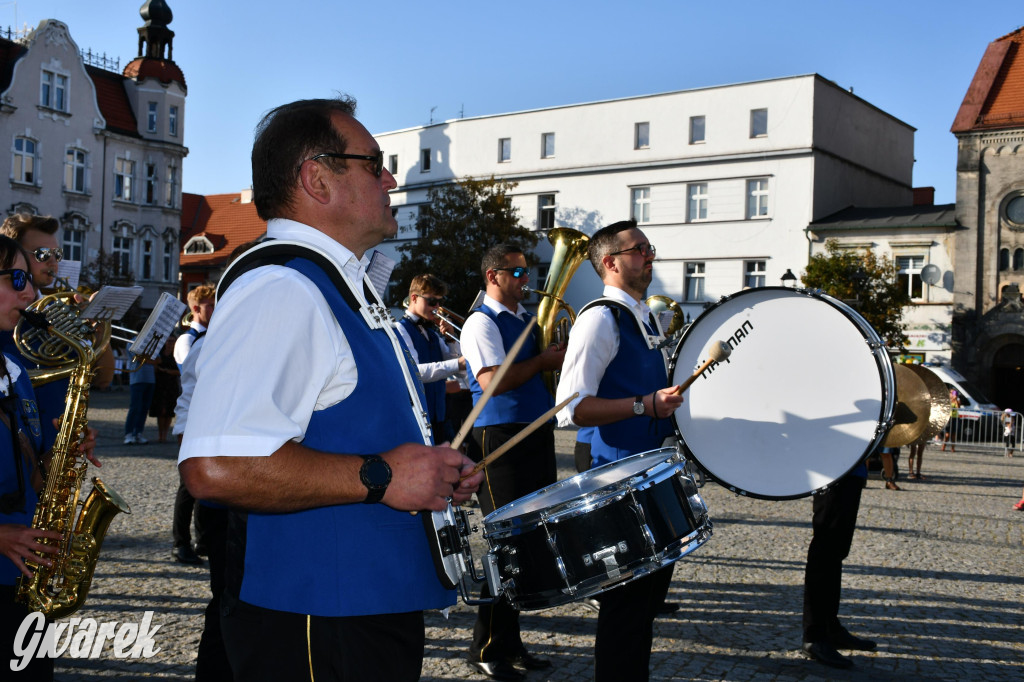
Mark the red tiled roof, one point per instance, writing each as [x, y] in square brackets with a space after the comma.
[221, 218]
[995, 98]
[113, 101]
[162, 69]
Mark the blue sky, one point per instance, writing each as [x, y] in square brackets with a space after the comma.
[911, 58]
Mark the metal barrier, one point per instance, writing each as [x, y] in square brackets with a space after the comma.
[985, 430]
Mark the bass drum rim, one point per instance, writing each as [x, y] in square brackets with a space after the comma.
[871, 338]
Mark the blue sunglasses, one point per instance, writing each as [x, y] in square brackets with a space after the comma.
[19, 278]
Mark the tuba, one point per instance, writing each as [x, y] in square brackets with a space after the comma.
[60, 590]
[570, 251]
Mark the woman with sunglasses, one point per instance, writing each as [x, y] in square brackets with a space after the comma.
[20, 477]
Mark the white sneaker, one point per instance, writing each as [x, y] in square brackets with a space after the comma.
[140, 440]
[129, 439]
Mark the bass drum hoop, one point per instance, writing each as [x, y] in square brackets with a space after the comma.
[871, 339]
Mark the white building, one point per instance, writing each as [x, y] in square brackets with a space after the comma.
[723, 180]
[98, 149]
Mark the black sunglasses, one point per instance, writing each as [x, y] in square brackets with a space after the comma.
[378, 160]
[41, 254]
[431, 301]
[516, 272]
[19, 278]
[644, 250]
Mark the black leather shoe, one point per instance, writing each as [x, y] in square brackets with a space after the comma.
[823, 652]
[497, 670]
[185, 555]
[524, 659]
[842, 639]
[201, 549]
[667, 608]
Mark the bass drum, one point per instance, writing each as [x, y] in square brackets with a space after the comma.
[805, 395]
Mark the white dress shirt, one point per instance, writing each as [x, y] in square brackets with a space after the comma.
[188, 385]
[481, 340]
[185, 341]
[273, 355]
[593, 344]
[431, 371]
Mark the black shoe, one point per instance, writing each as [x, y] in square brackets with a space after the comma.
[201, 549]
[666, 608]
[842, 639]
[497, 670]
[823, 652]
[524, 659]
[185, 555]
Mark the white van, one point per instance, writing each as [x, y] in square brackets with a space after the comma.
[970, 397]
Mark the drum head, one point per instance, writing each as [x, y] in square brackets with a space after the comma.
[806, 393]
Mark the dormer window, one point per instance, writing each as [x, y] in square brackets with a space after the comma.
[199, 244]
[53, 91]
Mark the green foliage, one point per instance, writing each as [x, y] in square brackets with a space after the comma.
[866, 281]
[461, 221]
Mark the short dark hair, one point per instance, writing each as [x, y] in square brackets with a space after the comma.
[494, 258]
[604, 242]
[16, 225]
[287, 136]
[9, 250]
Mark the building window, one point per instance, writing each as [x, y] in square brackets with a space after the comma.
[425, 160]
[151, 118]
[1004, 260]
[172, 121]
[25, 160]
[757, 198]
[697, 209]
[122, 256]
[147, 259]
[641, 136]
[53, 91]
[73, 244]
[1018, 259]
[696, 129]
[124, 172]
[694, 284]
[758, 122]
[167, 261]
[753, 273]
[199, 245]
[909, 275]
[642, 204]
[547, 145]
[545, 211]
[504, 150]
[171, 188]
[393, 164]
[74, 170]
[151, 183]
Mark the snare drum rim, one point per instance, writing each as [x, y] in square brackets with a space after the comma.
[882, 361]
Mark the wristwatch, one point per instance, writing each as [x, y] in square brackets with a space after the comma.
[375, 475]
[638, 405]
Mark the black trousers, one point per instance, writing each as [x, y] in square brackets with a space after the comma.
[458, 407]
[625, 625]
[212, 661]
[11, 616]
[264, 645]
[181, 523]
[833, 523]
[527, 467]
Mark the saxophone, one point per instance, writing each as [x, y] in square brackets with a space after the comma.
[60, 590]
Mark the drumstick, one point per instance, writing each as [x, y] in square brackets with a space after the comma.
[492, 384]
[514, 440]
[719, 351]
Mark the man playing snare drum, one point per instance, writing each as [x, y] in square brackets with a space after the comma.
[614, 362]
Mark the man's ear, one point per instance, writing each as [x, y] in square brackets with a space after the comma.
[313, 177]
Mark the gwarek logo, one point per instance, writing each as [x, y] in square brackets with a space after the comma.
[82, 638]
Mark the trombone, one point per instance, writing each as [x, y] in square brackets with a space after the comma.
[454, 320]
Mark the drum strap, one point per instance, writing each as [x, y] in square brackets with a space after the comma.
[650, 331]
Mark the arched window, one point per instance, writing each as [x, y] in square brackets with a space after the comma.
[1018, 259]
[1004, 260]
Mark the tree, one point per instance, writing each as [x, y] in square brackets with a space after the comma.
[458, 224]
[865, 280]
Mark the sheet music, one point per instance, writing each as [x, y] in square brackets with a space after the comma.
[379, 271]
[158, 326]
[70, 270]
[111, 303]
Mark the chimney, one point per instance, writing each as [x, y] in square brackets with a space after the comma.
[924, 196]
[245, 196]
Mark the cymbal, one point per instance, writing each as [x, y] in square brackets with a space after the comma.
[939, 399]
[913, 408]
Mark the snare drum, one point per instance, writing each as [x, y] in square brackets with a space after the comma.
[805, 395]
[596, 530]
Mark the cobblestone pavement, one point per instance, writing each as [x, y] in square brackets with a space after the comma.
[936, 575]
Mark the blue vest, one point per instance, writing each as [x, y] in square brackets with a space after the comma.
[50, 398]
[27, 416]
[523, 404]
[635, 370]
[428, 350]
[351, 559]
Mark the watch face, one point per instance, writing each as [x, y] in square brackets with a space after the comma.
[638, 407]
[375, 473]
[1015, 210]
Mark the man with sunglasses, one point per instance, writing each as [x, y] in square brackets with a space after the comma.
[437, 357]
[307, 422]
[490, 331]
[615, 361]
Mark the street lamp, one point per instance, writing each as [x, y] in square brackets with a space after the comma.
[789, 279]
